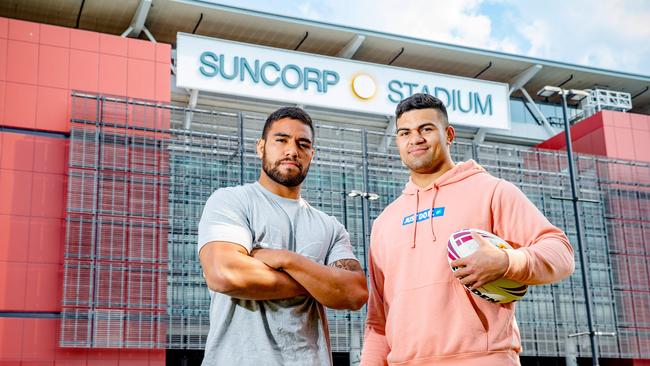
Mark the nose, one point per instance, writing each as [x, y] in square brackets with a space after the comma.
[291, 150]
[416, 138]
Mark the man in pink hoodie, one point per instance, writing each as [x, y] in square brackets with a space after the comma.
[419, 313]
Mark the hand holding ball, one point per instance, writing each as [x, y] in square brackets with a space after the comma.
[462, 244]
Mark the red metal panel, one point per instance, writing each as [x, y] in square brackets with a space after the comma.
[620, 119]
[583, 144]
[53, 66]
[22, 62]
[84, 70]
[639, 122]
[163, 83]
[141, 79]
[23, 31]
[50, 155]
[642, 145]
[14, 238]
[76, 362]
[11, 334]
[133, 355]
[3, 87]
[15, 192]
[163, 53]
[20, 105]
[13, 277]
[84, 40]
[102, 362]
[112, 71]
[39, 339]
[624, 143]
[584, 128]
[17, 151]
[70, 356]
[44, 282]
[599, 144]
[610, 140]
[157, 358]
[45, 240]
[47, 195]
[4, 27]
[141, 49]
[113, 45]
[3, 58]
[52, 109]
[103, 357]
[55, 36]
[133, 362]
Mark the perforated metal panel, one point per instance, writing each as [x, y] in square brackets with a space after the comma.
[116, 263]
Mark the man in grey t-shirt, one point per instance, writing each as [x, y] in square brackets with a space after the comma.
[271, 261]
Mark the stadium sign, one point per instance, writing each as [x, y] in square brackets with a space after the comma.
[233, 68]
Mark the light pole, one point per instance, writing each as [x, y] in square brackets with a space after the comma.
[548, 91]
[355, 342]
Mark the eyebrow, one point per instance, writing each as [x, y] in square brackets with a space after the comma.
[418, 127]
[282, 134]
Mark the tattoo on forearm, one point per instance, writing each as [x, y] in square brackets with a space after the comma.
[347, 264]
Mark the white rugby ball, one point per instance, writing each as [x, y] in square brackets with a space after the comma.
[461, 244]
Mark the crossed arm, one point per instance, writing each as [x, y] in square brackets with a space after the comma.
[269, 274]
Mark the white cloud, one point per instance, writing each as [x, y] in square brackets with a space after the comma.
[610, 34]
[307, 10]
[456, 22]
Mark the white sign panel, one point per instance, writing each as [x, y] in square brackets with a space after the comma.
[233, 68]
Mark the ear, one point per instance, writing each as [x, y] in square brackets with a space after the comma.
[260, 148]
[451, 134]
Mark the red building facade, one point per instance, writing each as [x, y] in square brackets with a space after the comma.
[40, 66]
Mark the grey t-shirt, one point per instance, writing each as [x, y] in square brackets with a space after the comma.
[270, 332]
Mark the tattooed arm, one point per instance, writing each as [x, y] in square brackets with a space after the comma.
[341, 285]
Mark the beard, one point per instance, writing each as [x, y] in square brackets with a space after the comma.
[272, 169]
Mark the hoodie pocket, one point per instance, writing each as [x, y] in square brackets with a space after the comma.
[433, 320]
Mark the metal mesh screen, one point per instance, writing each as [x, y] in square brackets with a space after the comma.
[116, 263]
[138, 180]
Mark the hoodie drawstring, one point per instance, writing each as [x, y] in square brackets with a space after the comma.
[415, 218]
[433, 206]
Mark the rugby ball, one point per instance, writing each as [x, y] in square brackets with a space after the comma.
[461, 244]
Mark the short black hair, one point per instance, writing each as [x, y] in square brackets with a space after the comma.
[421, 101]
[288, 112]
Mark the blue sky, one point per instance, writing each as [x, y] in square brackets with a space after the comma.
[613, 34]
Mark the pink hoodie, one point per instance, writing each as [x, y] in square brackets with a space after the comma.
[418, 313]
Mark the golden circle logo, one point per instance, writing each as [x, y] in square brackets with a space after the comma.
[364, 87]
